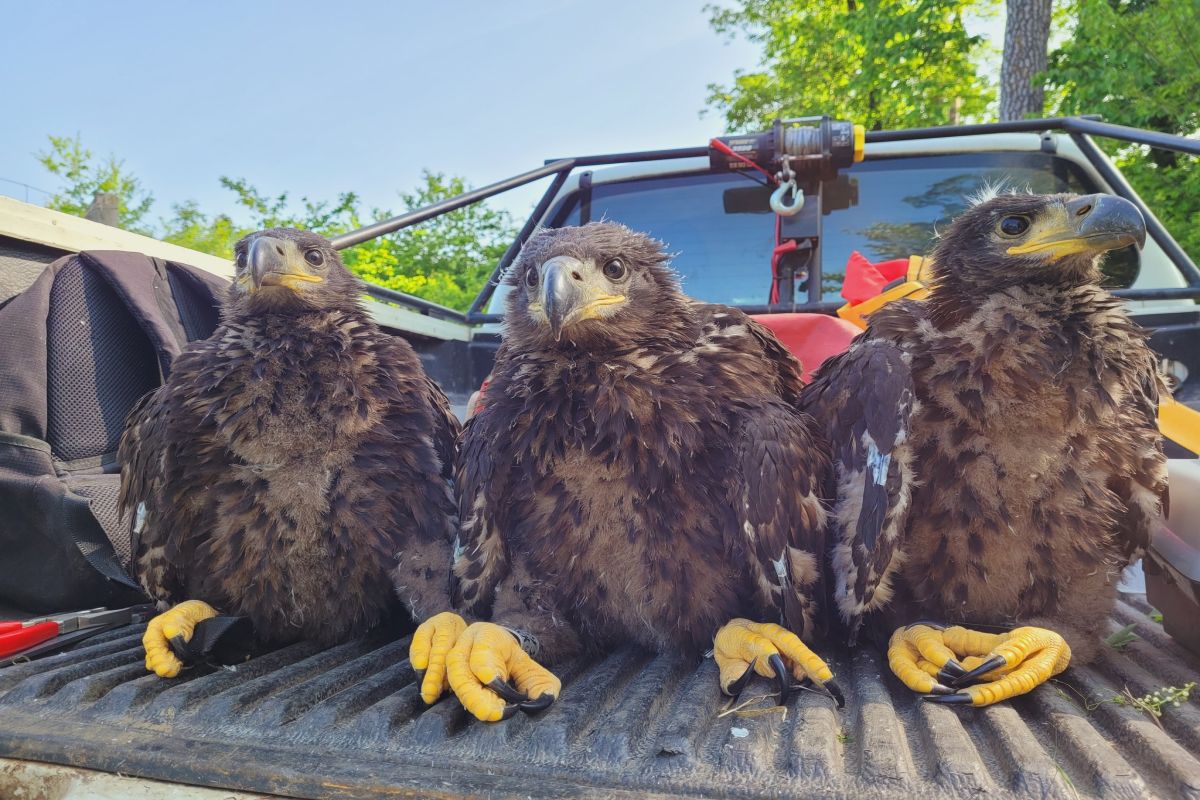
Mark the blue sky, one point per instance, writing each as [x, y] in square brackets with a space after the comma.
[317, 98]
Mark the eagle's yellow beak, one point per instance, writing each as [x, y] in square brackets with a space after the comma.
[277, 262]
[572, 293]
[1090, 224]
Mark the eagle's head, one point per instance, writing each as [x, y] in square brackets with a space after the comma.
[288, 270]
[1014, 239]
[594, 287]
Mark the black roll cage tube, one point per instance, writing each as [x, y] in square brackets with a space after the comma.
[1080, 129]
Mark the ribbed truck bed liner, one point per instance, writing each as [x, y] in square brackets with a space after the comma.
[348, 722]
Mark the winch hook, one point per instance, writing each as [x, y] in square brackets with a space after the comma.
[791, 208]
[787, 184]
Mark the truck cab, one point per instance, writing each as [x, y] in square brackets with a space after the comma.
[348, 721]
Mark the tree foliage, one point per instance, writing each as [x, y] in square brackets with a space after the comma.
[448, 258]
[1137, 62]
[881, 63]
[82, 175]
[445, 260]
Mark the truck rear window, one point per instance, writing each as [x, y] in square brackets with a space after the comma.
[723, 249]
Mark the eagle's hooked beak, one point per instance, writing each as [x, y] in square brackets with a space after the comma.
[1092, 224]
[573, 291]
[277, 262]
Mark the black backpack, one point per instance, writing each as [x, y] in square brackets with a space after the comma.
[78, 348]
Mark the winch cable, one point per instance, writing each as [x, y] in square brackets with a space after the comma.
[777, 250]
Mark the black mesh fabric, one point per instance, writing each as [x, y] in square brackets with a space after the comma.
[199, 316]
[101, 492]
[98, 359]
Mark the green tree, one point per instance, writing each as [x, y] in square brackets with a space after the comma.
[1137, 62]
[881, 63]
[82, 175]
[192, 228]
[447, 259]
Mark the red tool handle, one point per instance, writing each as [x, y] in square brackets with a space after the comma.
[16, 641]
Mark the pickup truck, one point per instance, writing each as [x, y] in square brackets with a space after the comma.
[348, 721]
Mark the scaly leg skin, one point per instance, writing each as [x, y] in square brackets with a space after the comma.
[941, 663]
[742, 648]
[483, 664]
[178, 621]
[431, 644]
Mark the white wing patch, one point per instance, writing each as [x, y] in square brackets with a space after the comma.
[877, 463]
[780, 568]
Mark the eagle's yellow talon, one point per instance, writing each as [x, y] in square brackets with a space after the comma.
[177, 621]
[431, 644]
[1009, 664]
[741, 645]
[909, 665]
[486, 666]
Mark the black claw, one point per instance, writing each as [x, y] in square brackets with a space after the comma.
[734, 689]
[928, 623]
[783, 678]
[941, 688]
[509, 711]
[950, 699]
[540, 704]
[179, 647]
[951, 671]
[507, 691]
[835, 692]
[987, 666]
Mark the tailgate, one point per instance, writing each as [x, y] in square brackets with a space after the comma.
[348, 722]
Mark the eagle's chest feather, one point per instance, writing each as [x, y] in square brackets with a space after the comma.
[301, 396]
[296, 407]
[1010, 404]
[626, 514]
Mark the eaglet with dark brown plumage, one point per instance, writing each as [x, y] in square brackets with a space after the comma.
[295, 467]
[639, 474]
[997, 455]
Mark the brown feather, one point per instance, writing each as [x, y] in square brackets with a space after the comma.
[292, 468]
[638, 480]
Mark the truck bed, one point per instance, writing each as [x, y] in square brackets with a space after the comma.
[348, 722]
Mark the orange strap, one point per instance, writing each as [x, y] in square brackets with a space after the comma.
[914, 288]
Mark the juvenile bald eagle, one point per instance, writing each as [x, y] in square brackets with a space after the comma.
[639, 474]
[997, 456]
[289, 461]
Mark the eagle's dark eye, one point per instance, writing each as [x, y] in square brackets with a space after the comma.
[614, 270]
[531, 277]
[314, 257]
[1014, 225]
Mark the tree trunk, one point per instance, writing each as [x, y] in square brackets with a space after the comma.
[1026, 33]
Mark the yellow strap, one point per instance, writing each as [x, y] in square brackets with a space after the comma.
[857, 314]
[1179, 423]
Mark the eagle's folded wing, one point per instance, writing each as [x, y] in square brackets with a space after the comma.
[864, 399]
[157, 469]
[480, 555]
[1137, 464]
[781, 521]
